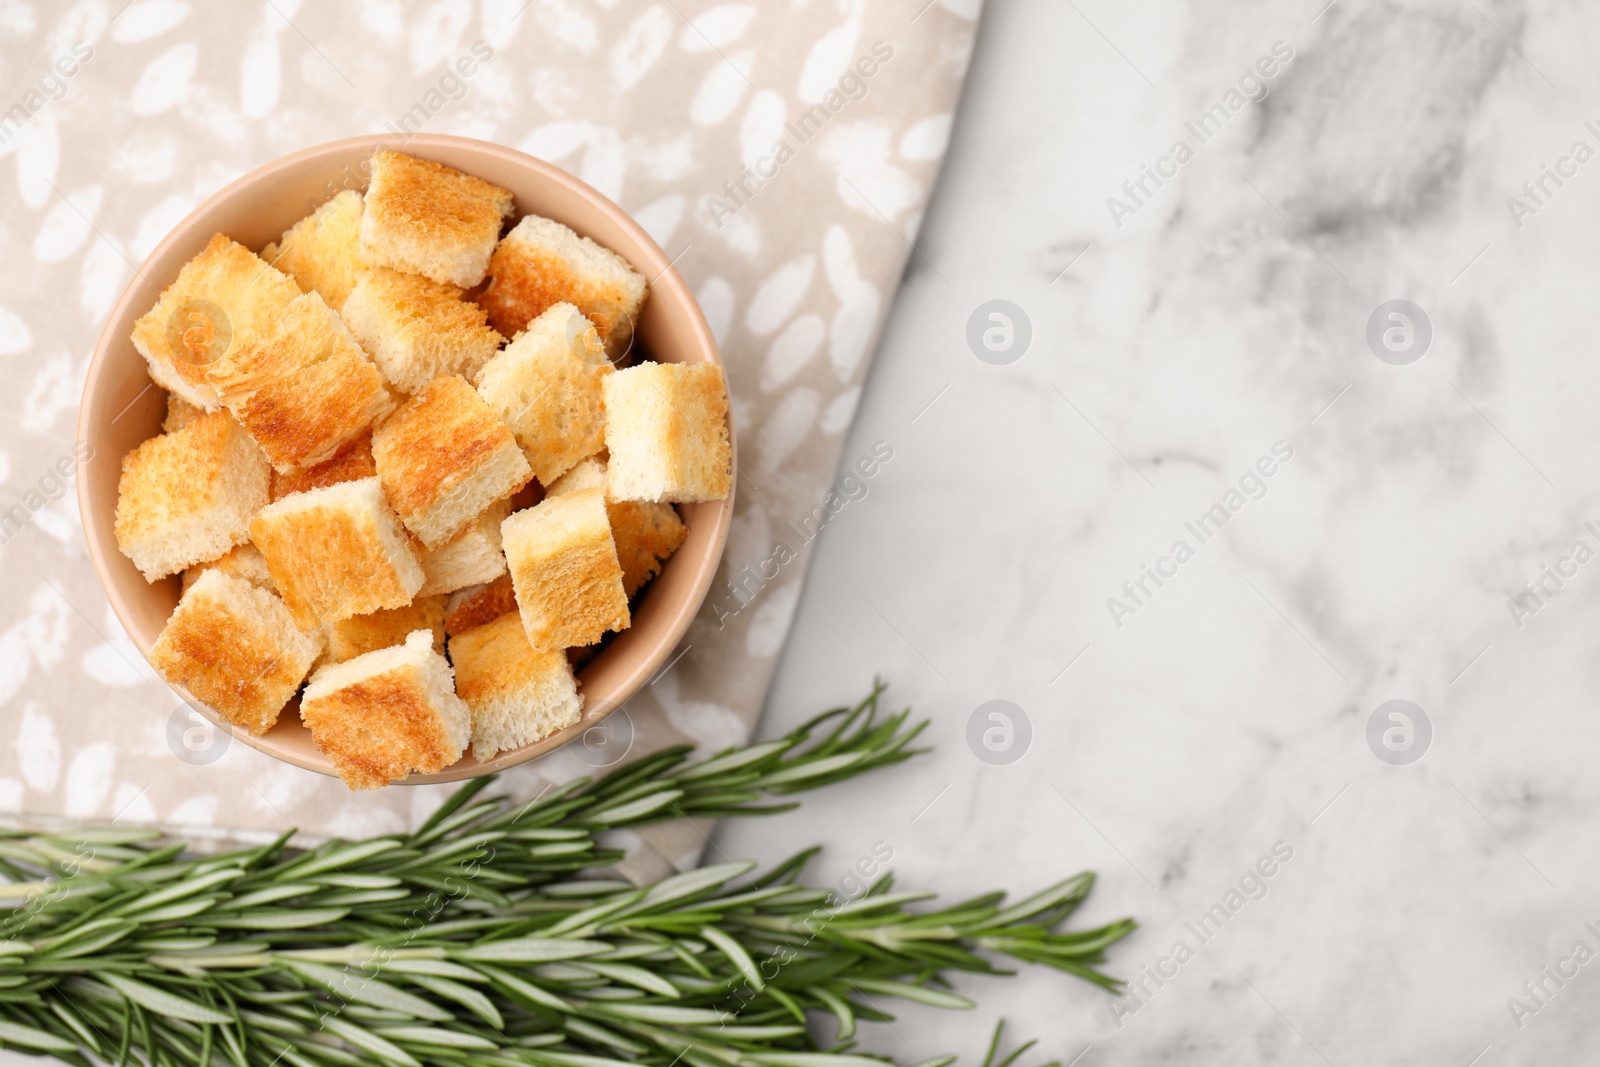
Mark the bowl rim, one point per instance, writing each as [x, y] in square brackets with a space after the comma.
[664, 280]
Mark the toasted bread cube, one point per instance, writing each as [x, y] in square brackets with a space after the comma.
[221, 295]
[236, 648]
[646, 532]
[545, 385]
[564, 568]
[302, 387]
[541, 263]
[667, 433]
[336, 552]
[477, 604]
[322, 252]
[416, 329]
[353, 462]
[517, 696]
[430, 219]
[444, 457]
[385, 714]
[360, 634]
[187, 497]
[180, 413]
[474, 557]
[243, 561]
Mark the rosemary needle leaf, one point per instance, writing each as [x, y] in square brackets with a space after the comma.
[486, 938]
[162, 1002]
[28, 1037]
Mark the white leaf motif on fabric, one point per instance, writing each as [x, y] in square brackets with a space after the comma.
[38, 748]
[38, 155]
[738, 232]
[260, 75]
[131, 806]
[146, 19]
[829, 58]
[779, 295]
[14, 333]
[709, 725]
[791, 350]
[88, 781]
[868, 182]
[717, 303]
[841, 411]
[385, 18]
[498, 22]
[56, 388]
[80, 22]
[436, 36]
[790, 423]
[195, 811]
[46, 627]
[158, 222]
[605, 163]
[641, 46]
[66, 225]
[661, 217]
[103, 271]
[749, 542]
[558, 140]
[761, 129]
[721, 89]
[859, 301]
[567, 22]
[926, 139]
[770, 622]
[166, 81]
[716, 27]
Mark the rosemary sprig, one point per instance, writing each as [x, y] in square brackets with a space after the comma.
[475, 941]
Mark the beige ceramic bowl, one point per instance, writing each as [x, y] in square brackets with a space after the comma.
[121, 407]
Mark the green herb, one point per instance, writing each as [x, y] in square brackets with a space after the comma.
[474, 941]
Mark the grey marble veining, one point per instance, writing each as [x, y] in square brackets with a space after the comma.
[1420, 544]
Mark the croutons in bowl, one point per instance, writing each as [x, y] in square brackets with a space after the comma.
[408, 462]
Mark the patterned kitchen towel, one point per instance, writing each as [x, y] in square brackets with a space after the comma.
[781, 152]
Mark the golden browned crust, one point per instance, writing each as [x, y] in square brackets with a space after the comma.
[353, 462]
[437, 442]
[379, 729]
[224, 294]
[417, 329]
[360, 634]
[419, 212]
[206, 474]
[667, 433]
[646, 534]
[221, 649]
[496, 657]
[336, 552]
[525, 281]
[322, 252]
[487, 604]
[564, 568]
[302, 388]
[546, 386]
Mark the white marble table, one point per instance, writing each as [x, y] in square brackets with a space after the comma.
[1229, 710]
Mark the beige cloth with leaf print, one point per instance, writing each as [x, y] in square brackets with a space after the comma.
[782, 152]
